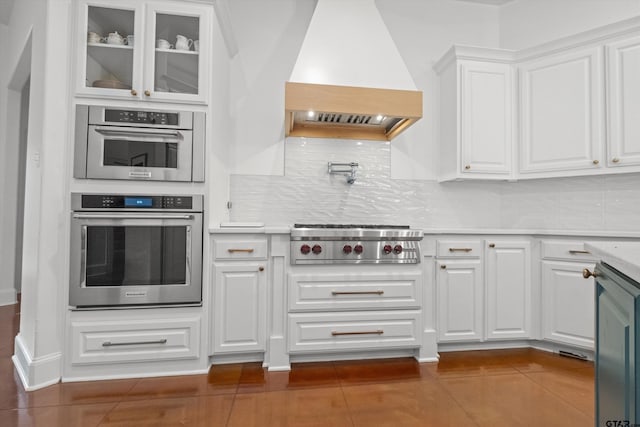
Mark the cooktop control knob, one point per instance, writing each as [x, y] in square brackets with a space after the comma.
[305, 249]
[358, 249]
[397, 249]
[316, 249]
[387, 249]
[347, 249]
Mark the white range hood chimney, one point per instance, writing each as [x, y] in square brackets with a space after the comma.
[349, 80]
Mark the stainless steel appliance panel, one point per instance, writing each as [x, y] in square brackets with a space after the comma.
[134, 256]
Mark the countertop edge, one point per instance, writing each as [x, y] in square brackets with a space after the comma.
[286, 229]
[623, 256]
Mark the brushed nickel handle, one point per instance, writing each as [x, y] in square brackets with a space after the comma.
[147, 93]
[577, 252]
[460, 249]
[595, 162]
[357, 292]
[247, 250]
[443, 267]
[114, 344]
[134, 92]
[261, 268]
[492, 245]
[467, 167]
[586, 273]
[376, 332]
[615, 160]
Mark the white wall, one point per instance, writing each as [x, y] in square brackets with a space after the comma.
[5, 285]
[526, 23]
[45, 23]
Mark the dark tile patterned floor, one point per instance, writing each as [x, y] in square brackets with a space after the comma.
[522, 387]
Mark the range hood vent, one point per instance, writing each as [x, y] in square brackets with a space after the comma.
[338, 92]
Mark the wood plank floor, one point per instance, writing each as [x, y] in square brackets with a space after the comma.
[523, 387]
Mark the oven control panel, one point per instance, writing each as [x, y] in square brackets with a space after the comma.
[112, 115]
[106, 201]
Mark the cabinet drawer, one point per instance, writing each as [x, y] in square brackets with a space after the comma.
[569, 250]
[354, 292]
[459, 248]
[354, 331]
[240, 249]
[134, 340]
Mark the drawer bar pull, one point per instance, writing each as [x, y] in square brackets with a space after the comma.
[460, 249]
[357, 292]
[248, 250]
[576, 252]
[377, 332]
[113, 344]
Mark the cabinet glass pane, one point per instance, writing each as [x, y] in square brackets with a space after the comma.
[109, 53]
[176, 54]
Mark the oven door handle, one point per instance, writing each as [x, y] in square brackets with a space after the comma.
[126, 134]
[130, 216]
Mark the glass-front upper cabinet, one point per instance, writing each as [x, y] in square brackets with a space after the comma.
[143, 50]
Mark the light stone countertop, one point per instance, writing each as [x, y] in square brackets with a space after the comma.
[623, 256]
[261, 228]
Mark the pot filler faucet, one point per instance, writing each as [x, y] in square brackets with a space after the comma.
[348, 169]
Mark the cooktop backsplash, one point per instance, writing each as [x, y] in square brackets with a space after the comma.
[307, 193]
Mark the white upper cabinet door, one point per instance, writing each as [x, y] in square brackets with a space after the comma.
[108, 62]
[623, 66]
[562, 114]
[152, 51]
[486, 135]
[508, 289]
[177, 56]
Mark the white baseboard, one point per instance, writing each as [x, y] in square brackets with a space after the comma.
[35, 373]
[8, 296]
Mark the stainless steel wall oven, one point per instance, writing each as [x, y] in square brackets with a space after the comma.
[133, 144]
[132, 250]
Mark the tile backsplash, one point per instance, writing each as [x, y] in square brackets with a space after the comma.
[308, 194]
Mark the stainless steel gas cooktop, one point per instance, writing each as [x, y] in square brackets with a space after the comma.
[355, 244]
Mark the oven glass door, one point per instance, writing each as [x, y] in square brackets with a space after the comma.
[133, 259]
[116, 152]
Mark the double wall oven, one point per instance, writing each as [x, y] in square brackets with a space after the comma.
[129, 250]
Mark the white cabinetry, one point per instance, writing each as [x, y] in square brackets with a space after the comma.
[104, 344]
[476, 123]
[239, 294]
[623, 92]
[136, 67]
[459, 290]
[354, 308]
[508, 267]
[567, 298]
[483, 295]
[562, 114]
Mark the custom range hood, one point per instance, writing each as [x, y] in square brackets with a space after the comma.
[349, 80]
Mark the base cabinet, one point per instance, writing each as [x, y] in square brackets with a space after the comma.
[240, 272]
[240, 308]
[460, 296]
[508, 267]
[617, 348]
[567, 303]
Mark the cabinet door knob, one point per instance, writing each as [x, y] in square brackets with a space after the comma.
[595, 162]
[134, 92]
[147, 93]
[261, 268]
[615, 160]
[467, 167]
[586, 273]
[492, 245]
[443, 266]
